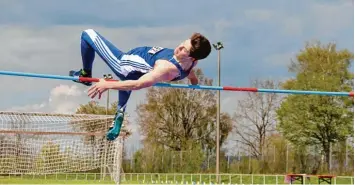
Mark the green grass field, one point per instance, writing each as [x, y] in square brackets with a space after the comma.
[155, 179]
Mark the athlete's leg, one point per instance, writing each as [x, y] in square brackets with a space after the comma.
[123, 97]
[87, 54]
[91, 43]
[114, 130]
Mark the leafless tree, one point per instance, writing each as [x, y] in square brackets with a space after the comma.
[255, 118]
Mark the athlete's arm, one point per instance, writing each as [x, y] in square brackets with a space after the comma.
[193, 78]
[160, 73]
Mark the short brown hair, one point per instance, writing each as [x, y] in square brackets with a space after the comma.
[200, 46]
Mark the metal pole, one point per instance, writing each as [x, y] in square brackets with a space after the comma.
[218, 47]
[346, 155]
[109, 77]
[218, 117]
[286, 158]
[107, 101]
[330, 158]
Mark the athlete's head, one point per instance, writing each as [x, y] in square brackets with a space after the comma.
[197, 47]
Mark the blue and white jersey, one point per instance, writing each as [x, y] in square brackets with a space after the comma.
[141, 60]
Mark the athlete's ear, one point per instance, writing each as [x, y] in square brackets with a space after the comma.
[193, 59]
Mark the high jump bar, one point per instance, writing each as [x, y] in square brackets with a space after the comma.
[221, 88]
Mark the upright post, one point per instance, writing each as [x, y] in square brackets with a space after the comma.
[103, 166]
[218, 47]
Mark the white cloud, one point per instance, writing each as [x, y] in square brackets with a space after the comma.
[293, 26]
[29, 108]
[331, 18]
[230, 99]
[279, 59]
[320, 19]
[258, 14]
[66, 91]
[62, 99]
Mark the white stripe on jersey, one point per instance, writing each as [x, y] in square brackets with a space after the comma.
[131, 63]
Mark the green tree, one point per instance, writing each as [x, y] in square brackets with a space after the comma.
[137, 161]
[313, 119]
[174, 117]
[93, 107]
[159, 159]
[49, 158]
[182, 119]
[279, 153]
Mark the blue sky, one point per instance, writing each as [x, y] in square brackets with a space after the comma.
[259, 37]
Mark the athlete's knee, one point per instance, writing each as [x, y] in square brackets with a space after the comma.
[90, 30]
[88, 34]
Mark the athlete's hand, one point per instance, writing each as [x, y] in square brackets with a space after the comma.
[193, 78]
[194, 81]
[98, 88]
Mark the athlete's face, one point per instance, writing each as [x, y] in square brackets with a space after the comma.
[183, 50]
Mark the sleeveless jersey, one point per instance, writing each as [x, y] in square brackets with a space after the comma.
[141, 60]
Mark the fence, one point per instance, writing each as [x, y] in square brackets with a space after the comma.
[159, 178]
[276, 159]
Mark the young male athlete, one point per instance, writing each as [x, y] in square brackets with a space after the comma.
[138, 68]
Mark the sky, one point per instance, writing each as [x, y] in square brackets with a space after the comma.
[259, 37]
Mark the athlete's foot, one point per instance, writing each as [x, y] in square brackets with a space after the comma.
[114, 130]
[80, 73]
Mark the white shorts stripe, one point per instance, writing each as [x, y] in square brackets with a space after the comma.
[104, 50]
[114, 62]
